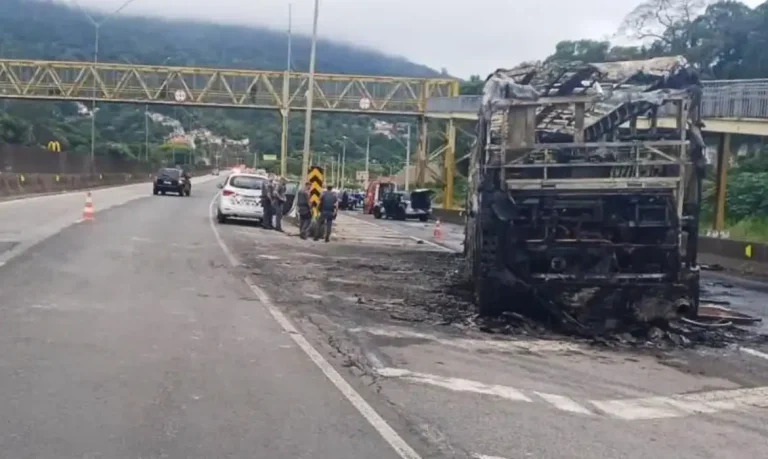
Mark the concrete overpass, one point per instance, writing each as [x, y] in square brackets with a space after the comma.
[729, 107]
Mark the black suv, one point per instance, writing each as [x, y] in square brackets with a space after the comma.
[174, 180]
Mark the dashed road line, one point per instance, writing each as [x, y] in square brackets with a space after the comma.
[532, 346]
[754, 353]
[386, 230]
[456, 384]
[631, 409]
[561, 402]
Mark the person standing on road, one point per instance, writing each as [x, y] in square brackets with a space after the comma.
[328, 206]
[305, 210]
[266, 201]
[278, 201]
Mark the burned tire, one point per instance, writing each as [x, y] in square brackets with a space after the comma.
[483, 246]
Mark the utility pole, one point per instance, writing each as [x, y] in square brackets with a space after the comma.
[343, 162]
[367, 160]
[310, 96]
[285, 111]
[146, 131]
[338, 170]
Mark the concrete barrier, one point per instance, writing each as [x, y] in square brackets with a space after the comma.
[747, 252]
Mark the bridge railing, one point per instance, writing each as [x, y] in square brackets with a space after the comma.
[721, 99]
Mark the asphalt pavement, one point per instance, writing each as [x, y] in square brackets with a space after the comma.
[153, 332]
[132, 336]
[512, 397]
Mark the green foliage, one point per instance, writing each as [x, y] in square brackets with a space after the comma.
[51, 30]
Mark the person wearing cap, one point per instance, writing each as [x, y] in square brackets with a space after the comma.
[266, 201]
[278, 202]
[304, 209]
[329, 204]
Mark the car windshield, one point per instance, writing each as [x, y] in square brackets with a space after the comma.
[247, 182]
[169, 172]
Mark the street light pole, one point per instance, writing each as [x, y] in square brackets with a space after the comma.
[310, 96]
[97, 31]
[338, 170]
[343, 162]
[97, 28]
[285, 111]
[367, 160]
[146, 131]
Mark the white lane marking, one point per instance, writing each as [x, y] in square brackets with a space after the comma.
[561, 402]
[485, 456]
[438, 246]
[684, 404]
[754, 352]
[634, 409]
[403, 449]
[211, 220]
[538, 345]
[455, 384]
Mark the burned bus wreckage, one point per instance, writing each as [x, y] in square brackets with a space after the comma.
[577, 209]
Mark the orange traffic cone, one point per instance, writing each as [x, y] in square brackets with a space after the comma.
[437, 233]
[88, 209]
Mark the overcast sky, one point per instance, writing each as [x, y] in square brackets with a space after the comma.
[467, 37]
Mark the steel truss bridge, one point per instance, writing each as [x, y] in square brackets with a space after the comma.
[229, 88]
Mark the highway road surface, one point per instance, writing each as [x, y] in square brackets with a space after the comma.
[153, 332]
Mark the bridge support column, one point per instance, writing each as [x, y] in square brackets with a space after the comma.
[421, 152]
[723, 159]
[449, 163]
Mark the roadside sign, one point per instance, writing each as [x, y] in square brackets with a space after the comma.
[180, 95]
[54, 146]
[269, 157]
[315, 179]
[365, 103]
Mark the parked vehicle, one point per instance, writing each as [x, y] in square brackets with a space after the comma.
[240, 197]
[402, 205]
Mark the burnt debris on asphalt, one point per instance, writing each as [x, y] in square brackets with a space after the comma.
[425, 287]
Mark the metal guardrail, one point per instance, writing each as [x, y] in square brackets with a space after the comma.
[721, 99]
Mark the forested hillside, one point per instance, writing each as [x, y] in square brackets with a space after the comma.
[35, 29]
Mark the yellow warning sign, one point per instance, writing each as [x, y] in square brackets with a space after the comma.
[748, 251]
[315, 178]
[55, 146]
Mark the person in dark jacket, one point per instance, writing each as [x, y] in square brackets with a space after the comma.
[305, 210]
[278, 202]
[266, 202]
[328, 206]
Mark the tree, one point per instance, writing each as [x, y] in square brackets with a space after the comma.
[669, 23]
[581, 51]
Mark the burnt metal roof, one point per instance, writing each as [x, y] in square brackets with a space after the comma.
[623, 90]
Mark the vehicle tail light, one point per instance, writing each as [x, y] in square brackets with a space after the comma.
[227, 193]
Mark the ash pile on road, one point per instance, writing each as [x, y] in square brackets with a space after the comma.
[382, 284]
[450, 302]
